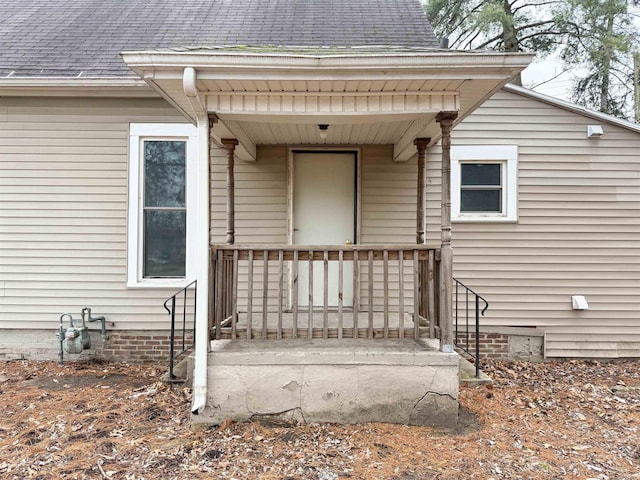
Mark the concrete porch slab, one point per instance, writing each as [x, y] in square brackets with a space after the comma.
[342, 381]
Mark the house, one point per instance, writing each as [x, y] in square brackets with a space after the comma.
[289, 158]
[574, 229]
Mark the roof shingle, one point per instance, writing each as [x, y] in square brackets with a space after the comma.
[44, 38]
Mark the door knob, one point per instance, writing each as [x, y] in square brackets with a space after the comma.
[348, 242]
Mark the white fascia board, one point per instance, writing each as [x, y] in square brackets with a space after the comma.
[572, 107]
[407, 65]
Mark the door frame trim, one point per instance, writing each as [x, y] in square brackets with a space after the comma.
[357, 151]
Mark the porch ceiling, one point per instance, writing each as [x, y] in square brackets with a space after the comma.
[366, 98]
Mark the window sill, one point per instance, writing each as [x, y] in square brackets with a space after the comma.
[160, 284]
[487, 219]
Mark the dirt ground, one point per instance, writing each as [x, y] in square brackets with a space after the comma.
[117, 421]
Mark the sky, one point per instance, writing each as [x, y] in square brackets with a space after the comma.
[546, 76]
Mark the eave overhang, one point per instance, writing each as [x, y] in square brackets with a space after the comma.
[76, 87]
[379, 97]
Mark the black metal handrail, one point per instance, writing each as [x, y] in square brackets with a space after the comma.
[174, 310]
[465, 347]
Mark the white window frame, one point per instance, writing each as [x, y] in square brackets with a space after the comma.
[138, 133]
[507, 156]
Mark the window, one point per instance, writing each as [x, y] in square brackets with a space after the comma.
[481, 187]
[161, 204]
[484, 183]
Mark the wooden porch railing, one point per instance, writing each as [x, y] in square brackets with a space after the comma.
[276, 292]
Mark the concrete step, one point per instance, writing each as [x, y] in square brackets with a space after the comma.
[343, 381]
[468, 374]
[181, 372]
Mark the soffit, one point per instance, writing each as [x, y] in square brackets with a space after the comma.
[280, 99]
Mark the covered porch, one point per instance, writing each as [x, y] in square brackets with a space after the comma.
[279, 321]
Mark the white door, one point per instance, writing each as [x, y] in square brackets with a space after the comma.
[324, 206]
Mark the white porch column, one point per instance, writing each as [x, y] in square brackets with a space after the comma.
[446, 255]
[202, 271]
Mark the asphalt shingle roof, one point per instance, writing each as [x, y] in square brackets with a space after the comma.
[43, 38]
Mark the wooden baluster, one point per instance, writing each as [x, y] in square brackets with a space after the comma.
[219, 282]
[431, 305]
[385, 268]
[294, 330]
[230, 272]
[223, 288]
[250, 296]
[213, 265]
[310, 317]
[370, 289]
[424, 293]
[234, 295]
[340, 292]
[325, 295]
[416, 295]
[265, 293]
[401, 294]
[280, 292]
[356, 292]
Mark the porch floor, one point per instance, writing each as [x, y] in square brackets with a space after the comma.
[315, 325]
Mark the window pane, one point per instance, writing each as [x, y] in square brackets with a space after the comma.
[480, 200]
[165, 243]
[164, 173]
[480, 173]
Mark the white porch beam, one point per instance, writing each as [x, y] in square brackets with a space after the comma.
[405, 148]
[246, 148]
[331, 103]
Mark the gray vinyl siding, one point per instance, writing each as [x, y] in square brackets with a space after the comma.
[63, 211]
[578, 231]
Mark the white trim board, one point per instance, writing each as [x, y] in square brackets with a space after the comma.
[159, 131]
[505, 154]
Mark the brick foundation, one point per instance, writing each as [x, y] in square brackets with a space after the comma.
[121, 346]
[139, 347]
[492, 345]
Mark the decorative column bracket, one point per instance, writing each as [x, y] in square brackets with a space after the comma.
[213, 119]
[421, 145]
[230, 145]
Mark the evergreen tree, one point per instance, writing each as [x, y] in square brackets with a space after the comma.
[596, 37]
[502, 25]
[600, 41]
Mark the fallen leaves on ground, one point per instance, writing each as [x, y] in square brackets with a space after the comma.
[575, 419]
